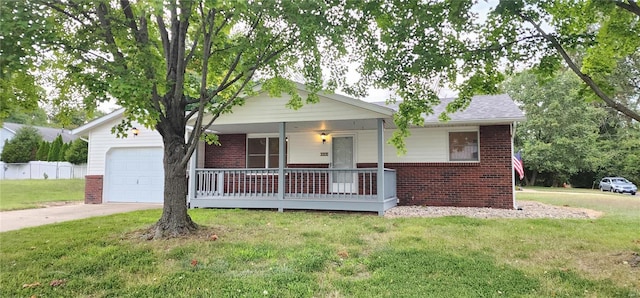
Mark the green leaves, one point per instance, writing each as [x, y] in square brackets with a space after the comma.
[22, 147]
[560, 134]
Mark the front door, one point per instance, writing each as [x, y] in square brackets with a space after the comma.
[342, 158]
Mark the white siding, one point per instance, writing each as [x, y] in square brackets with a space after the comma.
[101, 140]
[424, 145]
[265, 109]
[305, 148]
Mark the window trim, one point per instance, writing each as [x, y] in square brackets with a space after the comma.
[266, 152]
[477, 131]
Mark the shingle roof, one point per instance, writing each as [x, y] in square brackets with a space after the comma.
[48, 134]
[483, 108]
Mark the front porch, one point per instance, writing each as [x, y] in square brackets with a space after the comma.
[309, 182]
[302, 188]
[271, 156]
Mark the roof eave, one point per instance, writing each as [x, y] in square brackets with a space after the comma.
[97, 122]
[494, 121]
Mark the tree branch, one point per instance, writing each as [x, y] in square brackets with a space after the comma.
[128, 13]
[66, 13]
[632, 6]
[192, 144]
[155, 100]
[164, 35]
[499, 47]
[247, 78]
[585, 78]
[181, 32]
[105, 23]
[207, 28]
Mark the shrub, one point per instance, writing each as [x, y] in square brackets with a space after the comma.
[43, 151]
[77, 152]
[23, 146]
[54, 152]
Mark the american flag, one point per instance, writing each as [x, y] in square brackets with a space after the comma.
[518, 165]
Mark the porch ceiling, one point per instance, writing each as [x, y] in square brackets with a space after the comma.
[299, 126]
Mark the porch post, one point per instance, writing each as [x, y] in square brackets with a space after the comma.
[192, 177]
[281, 164]
[380, 175]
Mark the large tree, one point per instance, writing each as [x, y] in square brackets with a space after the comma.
[551, 32]
[559, 137]
[170, 62]
[430, 45]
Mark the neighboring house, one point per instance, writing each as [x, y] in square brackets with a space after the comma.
[48, 134]
[334, 156]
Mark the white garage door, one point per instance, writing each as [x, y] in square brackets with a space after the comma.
[134, 175]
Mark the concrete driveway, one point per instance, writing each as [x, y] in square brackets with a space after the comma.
[15, 220]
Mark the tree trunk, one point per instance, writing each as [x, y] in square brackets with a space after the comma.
[532, 178]
[175, 220]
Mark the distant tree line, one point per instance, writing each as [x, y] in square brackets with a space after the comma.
[28, 145]
[567, 139]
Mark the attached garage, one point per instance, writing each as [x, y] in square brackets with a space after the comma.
[134, 175]
[122, 169]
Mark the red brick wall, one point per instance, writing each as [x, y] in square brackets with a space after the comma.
[487, 183]
[483, 184]
[231, 154]
[93, 189]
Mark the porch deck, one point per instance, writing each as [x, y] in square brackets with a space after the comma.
[302, 188]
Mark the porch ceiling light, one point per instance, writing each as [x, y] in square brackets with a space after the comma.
[135, 131]
[324, 138]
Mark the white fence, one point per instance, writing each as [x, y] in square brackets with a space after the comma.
[42, 170]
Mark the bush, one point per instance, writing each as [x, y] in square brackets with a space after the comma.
[43, 151]
[77, 152]
[56, 147]
[23, 146]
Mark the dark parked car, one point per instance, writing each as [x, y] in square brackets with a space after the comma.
[617, 184]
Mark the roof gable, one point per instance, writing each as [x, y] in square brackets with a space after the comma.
[262, 108]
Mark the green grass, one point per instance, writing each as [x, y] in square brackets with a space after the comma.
[562, 189]
[323, 254]
[24, 194]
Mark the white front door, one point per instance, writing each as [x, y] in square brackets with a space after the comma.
[342, 158]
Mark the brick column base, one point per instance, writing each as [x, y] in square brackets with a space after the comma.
[93, 189]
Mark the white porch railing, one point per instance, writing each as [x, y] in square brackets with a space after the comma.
[390, 183]
[307, 183]
[236, 182]
[347, 184]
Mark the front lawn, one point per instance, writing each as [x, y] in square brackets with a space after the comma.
[324, 254]
[24, 194]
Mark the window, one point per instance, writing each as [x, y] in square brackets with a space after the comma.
[463, 146]
[263, 152]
